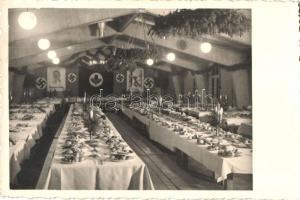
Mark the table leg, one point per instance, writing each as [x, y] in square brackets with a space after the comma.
[228, 183]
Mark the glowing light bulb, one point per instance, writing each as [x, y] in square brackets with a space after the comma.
[171, 56]
[27, 20]
[51, 54]
[44, 44]
[205, 47]
[55, 61]
[149, 61]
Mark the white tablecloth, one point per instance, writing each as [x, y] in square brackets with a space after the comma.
[48, 100]
[144, 119]
[245, 129]
[17, 154]
[162, 135]
[219, 165]
[238, 121]
[197, 112]
[128, 112]
[91, 174]
[25, 139]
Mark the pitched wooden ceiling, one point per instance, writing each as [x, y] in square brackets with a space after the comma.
[70, 32]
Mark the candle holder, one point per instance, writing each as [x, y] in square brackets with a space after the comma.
[202, 99]
[159, 104]
[218, 116]
[122, 101]
[91, 123]
[100, 100]
[179, 100]
[84, 101]
[148, 98]
[196, 98]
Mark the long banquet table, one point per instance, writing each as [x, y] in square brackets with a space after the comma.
[94, 173]
[24, 133]
[221, 166]
[239, 119]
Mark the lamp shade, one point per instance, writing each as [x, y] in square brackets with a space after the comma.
[55, 61]
[44, 44]
[27, 20]
[149, 61]
[205, 47]
[171, 56]
[51, 54]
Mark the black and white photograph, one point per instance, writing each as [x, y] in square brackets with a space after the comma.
[130, 99]
[149, 99]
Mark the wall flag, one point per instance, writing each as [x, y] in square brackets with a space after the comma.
[72, 77]
[120, 77]
[149, 82]
[96, 79]
[41, 83]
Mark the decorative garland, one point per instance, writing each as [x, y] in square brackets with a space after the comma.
[194, 23]
[128, 59]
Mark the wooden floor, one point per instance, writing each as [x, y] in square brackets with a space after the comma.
[165, 173]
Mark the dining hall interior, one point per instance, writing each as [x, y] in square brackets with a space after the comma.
[130, 99]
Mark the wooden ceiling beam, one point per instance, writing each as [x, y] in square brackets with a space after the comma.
[121, 23]
[52, 20]
[70, 50]
[220, 55]
[64, 38]
[178, 61]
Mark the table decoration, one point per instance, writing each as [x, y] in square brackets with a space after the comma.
[219, 117]
[84, 101]
[202, 99]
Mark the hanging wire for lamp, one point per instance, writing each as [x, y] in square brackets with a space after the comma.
[150, 56]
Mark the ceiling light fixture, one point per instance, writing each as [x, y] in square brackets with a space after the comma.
[171, 56]
[44, 44]
[149, 61]
[55, 61]
[51, 54]
[205, 47]
[27, 20]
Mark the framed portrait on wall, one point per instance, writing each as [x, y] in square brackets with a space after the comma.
[56, 77]
[135, 80]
